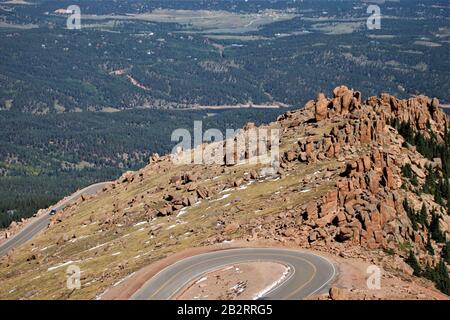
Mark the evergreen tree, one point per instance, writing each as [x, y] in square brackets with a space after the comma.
[430, 181]
[442, 279]
[414, 181]
[407, 171]
[435, 230]
[436, 184]
[429, 246]
[412, 262]
[422, 218]
[429, 273]
[410, 213]
[446, 252]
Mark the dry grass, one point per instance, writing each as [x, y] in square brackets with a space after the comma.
[113, 236]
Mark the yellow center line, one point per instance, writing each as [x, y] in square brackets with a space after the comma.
[306, 283]
[219, 258]
[32, 228]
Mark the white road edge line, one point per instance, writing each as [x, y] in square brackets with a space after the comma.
[328, 281]
[286, 279]
[214, 252]
[227, 264]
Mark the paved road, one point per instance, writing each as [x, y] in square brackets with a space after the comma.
[42, 221]
[309, 274]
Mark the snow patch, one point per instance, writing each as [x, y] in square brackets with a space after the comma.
[224, 197]
[273, 285]
[202, 279]
[45, 248]
[182, 212]
[61, 265]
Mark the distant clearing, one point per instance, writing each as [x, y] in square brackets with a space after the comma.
[204, 20]
[335, 28]
[428, 44]
[7, 25]
[235, 37]
[381, 36]
[16, 2]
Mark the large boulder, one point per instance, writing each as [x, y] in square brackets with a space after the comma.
[321, 108]
[231, 228]
[340, 91]
[337, 293]
[347, 100]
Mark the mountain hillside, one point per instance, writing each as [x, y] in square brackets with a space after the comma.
[355, 179]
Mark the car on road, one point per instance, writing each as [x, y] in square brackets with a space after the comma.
[53, 212]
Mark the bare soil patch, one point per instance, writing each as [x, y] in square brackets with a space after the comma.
[243, 281]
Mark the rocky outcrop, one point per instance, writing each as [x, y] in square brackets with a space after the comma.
[344, 101]
[365, 206]
[420, 111]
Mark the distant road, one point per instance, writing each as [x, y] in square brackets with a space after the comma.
[238, 106]
[309, 273]
[41, 222]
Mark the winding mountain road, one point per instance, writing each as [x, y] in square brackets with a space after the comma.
[309, 273]
[41, 222]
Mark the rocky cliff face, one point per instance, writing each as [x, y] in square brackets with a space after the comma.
[339, 188]
[365, 207]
